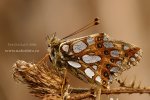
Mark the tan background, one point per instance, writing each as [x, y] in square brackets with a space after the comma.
[29, 21]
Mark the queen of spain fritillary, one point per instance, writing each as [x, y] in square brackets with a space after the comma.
[96, 59]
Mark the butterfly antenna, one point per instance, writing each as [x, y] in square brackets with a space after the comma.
[93, 23]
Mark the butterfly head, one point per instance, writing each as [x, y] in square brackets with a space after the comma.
[53, 45]
[52, 40]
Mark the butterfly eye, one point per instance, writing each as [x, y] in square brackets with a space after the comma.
[52, 53]
[49, 45]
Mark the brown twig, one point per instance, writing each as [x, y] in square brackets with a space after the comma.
[120, 90]
[46, 82]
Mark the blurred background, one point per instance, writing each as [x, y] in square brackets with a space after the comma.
[24, 25]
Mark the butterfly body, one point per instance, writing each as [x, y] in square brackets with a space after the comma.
[96, 58]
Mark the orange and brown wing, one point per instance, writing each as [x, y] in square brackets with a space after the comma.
[97, 59]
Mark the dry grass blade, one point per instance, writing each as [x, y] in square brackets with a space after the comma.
[40, 78]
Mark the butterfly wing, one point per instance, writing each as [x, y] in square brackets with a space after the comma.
[97, 59]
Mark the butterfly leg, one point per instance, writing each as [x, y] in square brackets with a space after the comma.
[64, 70]
[97, 93]
[44, 59]
[66, 93]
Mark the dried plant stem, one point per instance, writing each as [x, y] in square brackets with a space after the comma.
[120, 90]
[82, 93]
[47, 83]
[81, 96]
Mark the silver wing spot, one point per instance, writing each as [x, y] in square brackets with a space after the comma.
[79, 46]
[108, 44]
[106, 38]
[65, 48]
[74, 64]
[119, 63]
[132, 59]
[114, 69]
[125, 47]
[91, 59]
[90, 40]
[89, 72]
[98, 78]
[114, 53]
[95, 67]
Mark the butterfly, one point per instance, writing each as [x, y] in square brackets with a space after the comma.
[96, 58]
